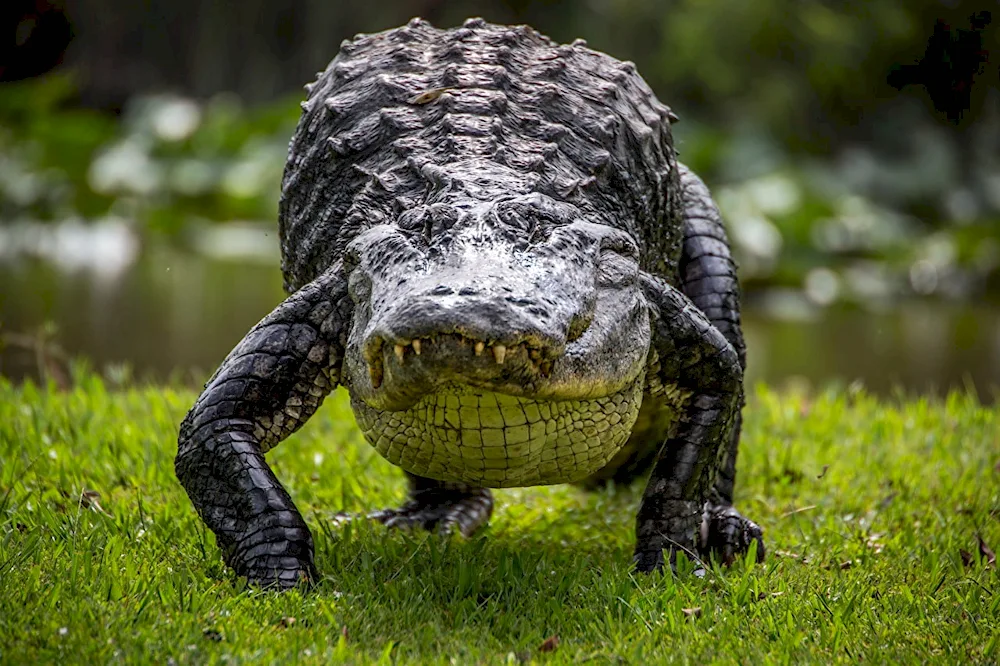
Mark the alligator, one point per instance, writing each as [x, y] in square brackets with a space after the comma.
[487, 239]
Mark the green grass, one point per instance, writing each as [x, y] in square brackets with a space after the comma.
[866, 505]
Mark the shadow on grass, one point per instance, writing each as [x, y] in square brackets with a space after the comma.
[457, 581]
[525, 564]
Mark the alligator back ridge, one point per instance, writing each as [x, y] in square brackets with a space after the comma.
[399, 116]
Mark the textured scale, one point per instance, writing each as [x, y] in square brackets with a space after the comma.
[489, 242]
[499, 441]
[565, 121]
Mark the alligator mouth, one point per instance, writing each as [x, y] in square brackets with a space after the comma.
[452, 350]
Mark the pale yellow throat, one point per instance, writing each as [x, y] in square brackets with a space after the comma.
[461, 433]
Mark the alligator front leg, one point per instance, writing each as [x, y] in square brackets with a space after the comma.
[267, 387]
[708, 278]
[440, 505]
[693, 355]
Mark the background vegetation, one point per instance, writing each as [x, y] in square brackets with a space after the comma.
[854, 146]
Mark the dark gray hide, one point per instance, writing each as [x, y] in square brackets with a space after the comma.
[489, 242]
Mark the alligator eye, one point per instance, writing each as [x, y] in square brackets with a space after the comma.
[616, 269]
[417, 224]
[359, 287]
[620, 246]
[619, 263]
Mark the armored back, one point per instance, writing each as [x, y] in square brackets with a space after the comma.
[402, 117]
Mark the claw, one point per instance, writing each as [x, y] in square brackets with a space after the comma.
[648, 561]
[464, 512]
[729, 534]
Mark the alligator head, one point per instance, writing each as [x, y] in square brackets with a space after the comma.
[473, 316]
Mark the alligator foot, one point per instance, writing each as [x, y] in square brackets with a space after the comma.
[275, 552]
[671, 528]
[280, 573]
[444, 509]
[727, 534]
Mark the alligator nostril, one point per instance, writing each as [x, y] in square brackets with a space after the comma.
[467, 291]
[442, 290]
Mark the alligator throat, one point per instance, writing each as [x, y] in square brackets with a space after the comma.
[467, 434]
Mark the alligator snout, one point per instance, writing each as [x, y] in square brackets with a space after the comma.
[480, 338]
[477, 309]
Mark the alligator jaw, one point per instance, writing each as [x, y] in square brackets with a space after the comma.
[452, 357]
[405, 348]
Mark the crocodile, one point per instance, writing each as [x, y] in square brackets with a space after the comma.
[487, 239]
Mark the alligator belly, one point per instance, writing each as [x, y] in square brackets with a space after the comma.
[461, 433]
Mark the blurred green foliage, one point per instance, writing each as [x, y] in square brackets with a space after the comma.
[836, 186]
[166, 160]
[809, 72]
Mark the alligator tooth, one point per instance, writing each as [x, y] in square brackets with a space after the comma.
[375, 374]
[499, 353]
[416, 346]
[480, 346]
[398, 349]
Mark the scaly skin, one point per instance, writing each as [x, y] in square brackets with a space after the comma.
[500, 441]
[489, 242]
[442, 506]
[266, 388]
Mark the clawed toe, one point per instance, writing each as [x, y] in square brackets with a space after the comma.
[408, 517]
[727, 534]
[648, 561]
[454, 512]
[276, 552]
[280, 573]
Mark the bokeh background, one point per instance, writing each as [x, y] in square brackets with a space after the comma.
[854, 147]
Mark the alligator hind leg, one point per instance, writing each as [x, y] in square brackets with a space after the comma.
[440, 505]
[708, 278]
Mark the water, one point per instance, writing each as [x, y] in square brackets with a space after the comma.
[174, 311]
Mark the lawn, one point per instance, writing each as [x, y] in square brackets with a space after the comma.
[872, 509]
